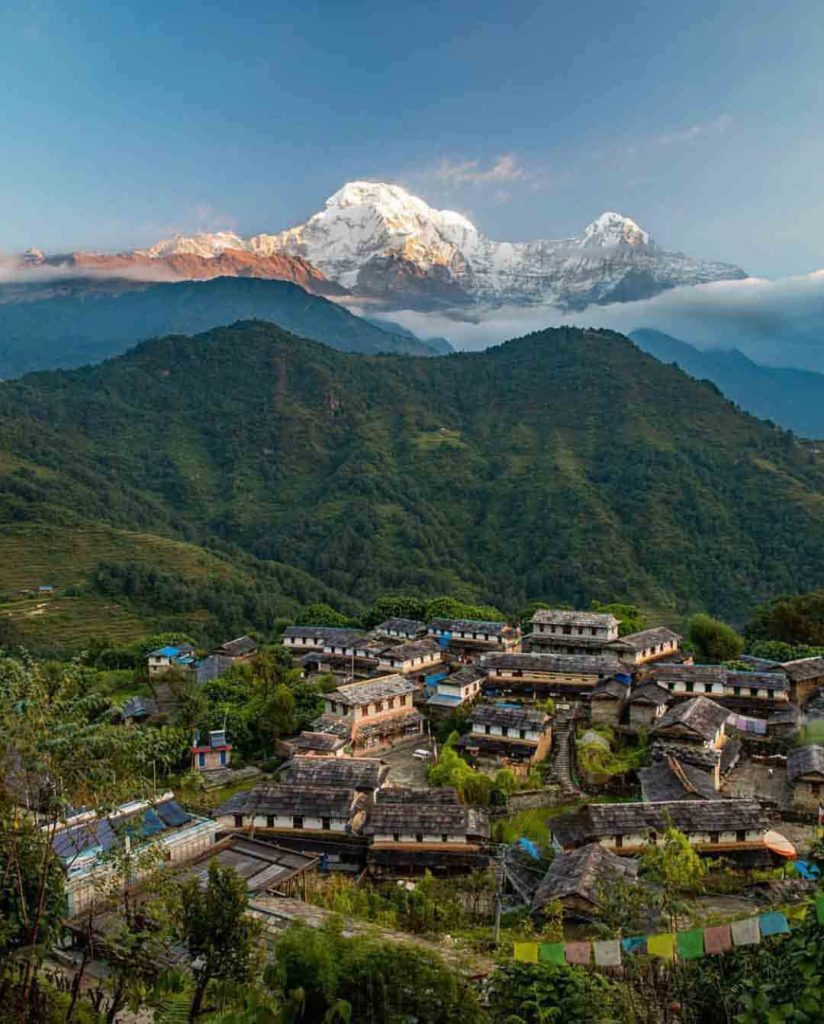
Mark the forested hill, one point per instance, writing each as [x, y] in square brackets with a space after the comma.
[565, 465]
[72, 330]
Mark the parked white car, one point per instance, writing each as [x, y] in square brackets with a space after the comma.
[422, 755]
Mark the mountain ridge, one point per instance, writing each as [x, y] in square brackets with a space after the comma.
[565, 465]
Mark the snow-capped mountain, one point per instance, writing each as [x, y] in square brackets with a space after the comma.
[380, 242]
[383, 242]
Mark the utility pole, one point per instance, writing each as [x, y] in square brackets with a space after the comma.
[499, 891]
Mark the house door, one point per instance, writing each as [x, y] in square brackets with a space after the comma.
[201, 760]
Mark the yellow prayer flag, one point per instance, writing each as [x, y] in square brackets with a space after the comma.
[526, 952]
[661, 945]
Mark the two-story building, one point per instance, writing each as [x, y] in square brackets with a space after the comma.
[401, 629]
[456, 690]
[728, 828]
[733, 689]
[411, 658]
[173, 656]
[214, 754]
[806, 676]
[646, 703]
[561, 631]
[508, 734]
[469, 638]
[546, 675]
[302, 639]
[413, 831]
[648, 645]
[379, 712]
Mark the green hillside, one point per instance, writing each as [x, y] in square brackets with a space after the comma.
[566, 465]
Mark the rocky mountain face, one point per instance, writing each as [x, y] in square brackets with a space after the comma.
[381, 242]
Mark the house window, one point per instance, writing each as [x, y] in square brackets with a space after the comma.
[391, 702]
[486, 729]
[270, 821]
[238, 821]
[741, 836]
[580, 631]
[419, 837]
[326, 823]
[396, 836]
[815, 788]
[713, 837]
[201, 759]
[444, 839]
[619, 842]
[297, 822]
[567, 630]
[522, 734]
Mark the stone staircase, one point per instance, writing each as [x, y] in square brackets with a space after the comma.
[560, 774]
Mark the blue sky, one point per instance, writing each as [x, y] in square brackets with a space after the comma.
[124, 121]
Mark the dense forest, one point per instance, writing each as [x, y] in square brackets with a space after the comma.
[564, 466]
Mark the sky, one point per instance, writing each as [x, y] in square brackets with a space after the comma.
[124, 122]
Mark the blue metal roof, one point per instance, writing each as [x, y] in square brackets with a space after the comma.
[166, 652]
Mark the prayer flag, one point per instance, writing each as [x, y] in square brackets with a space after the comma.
[578, 953]
[690, 945]
[819, 909]
[635, 944]
[607, 953]
[526, 952]
[746, 932]
[661, 945]
[717, 939]
[773, 923]
[552, 953]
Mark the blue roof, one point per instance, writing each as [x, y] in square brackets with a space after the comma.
[101, 834]
[445, 699]
[167, 652]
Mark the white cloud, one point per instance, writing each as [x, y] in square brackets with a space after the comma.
[503, 169]
[778, 323]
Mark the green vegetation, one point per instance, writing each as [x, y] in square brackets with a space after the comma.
[713, 641]
[585, 471]
[795, 620]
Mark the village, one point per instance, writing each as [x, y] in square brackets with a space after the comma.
[579, 751]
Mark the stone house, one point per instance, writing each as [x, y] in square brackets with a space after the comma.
[546, 675]
[469, 638]
[636, 649]
[363, 774]
[578, 880]
[805, 773]
[410, 658]
[401, 629]
[508, 735]
[311, 638]
[242, 648]
[284, 809]
[606, 702]
[379, 712]
[729, 828]
[806, 675]
[456, 690]
[560, 631]
[646, 703]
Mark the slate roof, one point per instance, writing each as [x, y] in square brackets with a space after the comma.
[238, 647]
[589, 664]
[317, 632]
[403, 795]
[803, 669]
[668, 672]
[292, 800]
[464, 676]
[389, 725]
[698, 715]
[808, 760]
[365, 773]
[322, 741]
[647, 638]
[428, 818]
[671, 779]
[409, 627]
[610, 688]
[650, 693]
[509, 716]
[688, 753]
[469, 626]
[413, 649]
[352, 638]
[262, 865]
[594, 821]
[775, 681]
[370, 690]
[211, 667]
[566, 617]
[584, 873]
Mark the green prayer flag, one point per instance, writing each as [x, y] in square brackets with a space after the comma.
[552, 953]
[690, 945]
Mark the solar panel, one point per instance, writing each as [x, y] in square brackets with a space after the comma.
[151, 824]
[172, 814]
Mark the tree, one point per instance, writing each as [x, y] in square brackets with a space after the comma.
[542, 994]
[394, 606]
[222, 940]
[630, 617]
[795, 619]
[674, 865]
[714, 640]
[321, 615]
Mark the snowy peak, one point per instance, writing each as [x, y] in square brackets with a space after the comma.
[611, 229]
[205, 246]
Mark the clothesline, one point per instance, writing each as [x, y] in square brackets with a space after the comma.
[681, 945]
